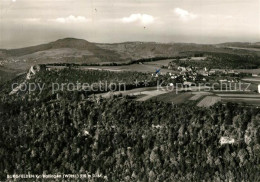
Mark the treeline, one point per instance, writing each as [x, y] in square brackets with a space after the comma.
[221, 60]
[130, 141]
[115, 63]
[213, 59]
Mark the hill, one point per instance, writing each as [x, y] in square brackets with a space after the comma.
[242, 44]
[69, 43]
[63, 50]
[71, 50]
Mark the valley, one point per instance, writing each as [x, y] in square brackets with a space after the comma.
[111, 105]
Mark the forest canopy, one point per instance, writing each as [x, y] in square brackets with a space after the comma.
[126, 140]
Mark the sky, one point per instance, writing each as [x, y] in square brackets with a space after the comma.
[32, 22]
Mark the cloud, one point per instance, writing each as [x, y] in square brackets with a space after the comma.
[33, 19]
[184, 14]
[139, 18]
[72, 19]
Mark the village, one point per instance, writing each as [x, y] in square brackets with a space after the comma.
[202, 86]
[191, 76]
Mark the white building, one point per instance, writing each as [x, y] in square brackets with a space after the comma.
[187, 84]
[226, 140]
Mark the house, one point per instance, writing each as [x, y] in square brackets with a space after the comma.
[156, 126]
[212, 72]
[226, 140]
[155, 75]
[255, 75]
[225, 80]
[231, 72]
[188, 69]
[205, 74]
[182, 68]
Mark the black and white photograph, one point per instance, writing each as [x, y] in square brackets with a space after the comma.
[130, 90]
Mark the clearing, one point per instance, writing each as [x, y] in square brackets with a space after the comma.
[209, 101]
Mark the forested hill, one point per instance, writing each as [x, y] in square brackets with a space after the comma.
[123, 140]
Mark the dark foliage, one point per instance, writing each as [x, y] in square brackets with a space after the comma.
[222, 60]
[130, 141]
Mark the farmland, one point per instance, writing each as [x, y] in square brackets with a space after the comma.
[173, 97]
[199, 98]
[198, 95]
[251, 71]
[254, 80]
[160, 62]
[209, 101]
[145, 67]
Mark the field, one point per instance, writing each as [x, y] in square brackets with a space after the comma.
[140, 92]
[174, 98]
[151, 94]
[245, 48]
[144, 68]
[249, 99]
[252, 71]
[200, 98]
[194, 59]
[160, 62]
[253, 82]
[254, 79]
[56, 53]
[240, 95]
[209, 101]
[198, 95]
